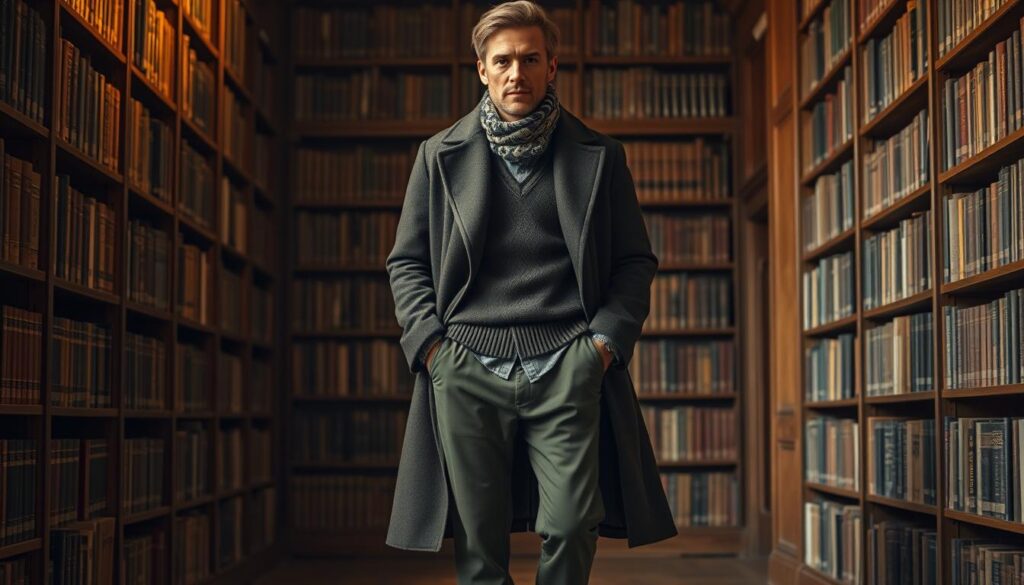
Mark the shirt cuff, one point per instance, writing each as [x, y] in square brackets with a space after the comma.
[610, 345]
[422, 357]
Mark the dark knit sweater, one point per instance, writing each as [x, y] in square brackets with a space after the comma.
[525, 299]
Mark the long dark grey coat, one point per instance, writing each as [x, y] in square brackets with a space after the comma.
[437, 251]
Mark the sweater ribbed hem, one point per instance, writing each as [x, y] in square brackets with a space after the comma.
[525, 340]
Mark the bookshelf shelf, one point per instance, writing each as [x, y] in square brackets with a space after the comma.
[195, 503]
[133, 413]
[900, 112]
[195, 228]
[695, 203]
[84, 292]
[827, 81]
[236, 171]
[401, 398]
[147, 515]
[973, 47]
[81, 30]
[14, 123]
[186, 323]
[832, 490]
[75, 412]
[698, 463]
[163, 207]
[917, 302]
[20, 548]
[150, 95]
[814, 12]
[891, 216]
[21, 410]
[238, 87]
[902, 505]
[360, 63]
[984, 392]
[197, 134]
[694, 332]
[373, 129]
[985, 165]
[662, 126]
[681, 60]
[200, 40]
[816, 577]
[679, 397]
[989, 281]
[695, 266]
[882, 21]
[842, 241]
[70, 156]
[148, 311]
[909, 397]
[985, 521]
[195, 415]
[19, 271]
[844, 404]
[837, 326]
[396, 204]
[830, 164]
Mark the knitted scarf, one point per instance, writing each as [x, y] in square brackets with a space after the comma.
[523, 140]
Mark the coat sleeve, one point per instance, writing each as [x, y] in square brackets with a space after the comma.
[409, 268]
[634, 265]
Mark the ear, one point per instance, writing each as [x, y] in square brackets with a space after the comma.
[481, 71]
[552, 68]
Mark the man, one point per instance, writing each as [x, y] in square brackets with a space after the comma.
[521, 273]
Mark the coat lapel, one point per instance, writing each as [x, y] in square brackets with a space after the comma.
[465, 166]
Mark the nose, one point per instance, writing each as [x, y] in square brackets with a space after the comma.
[513, 71]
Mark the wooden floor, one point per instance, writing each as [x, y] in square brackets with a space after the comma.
[438, 570]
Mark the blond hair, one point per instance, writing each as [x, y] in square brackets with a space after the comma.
[514, 14]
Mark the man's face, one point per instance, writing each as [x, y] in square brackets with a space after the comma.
[517, 70]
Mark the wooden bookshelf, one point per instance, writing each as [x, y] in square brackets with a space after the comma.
[789, 563]
[52, 296]
[459, 65]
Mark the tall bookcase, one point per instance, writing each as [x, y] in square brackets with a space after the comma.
[181, 456]
[345, 166]
[911, 381]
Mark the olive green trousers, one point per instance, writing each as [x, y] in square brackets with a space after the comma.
[478, 415]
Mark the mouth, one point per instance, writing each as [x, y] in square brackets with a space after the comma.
[517, 93]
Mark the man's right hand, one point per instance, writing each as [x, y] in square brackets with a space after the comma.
[430, 353]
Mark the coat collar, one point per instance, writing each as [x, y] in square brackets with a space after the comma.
[465, 165]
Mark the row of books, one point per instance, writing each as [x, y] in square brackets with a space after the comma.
[827, 39]
[150, 153]
[83, 552]
[20, 200]
[359, 173]
[371, 94]
[16, 571]
[832, 452]
[898, 262]
[261, 318]
[21, 355]
[231, 301]
[192, 542]
[983, 343]
[892, 63]
[143, 464]
[828, 210]
[200, 13]
[350, 435]
[902, 455]
[264, 157]
[332, 238]
[958, 18]
[703, 498]
[229, 535]
[18, 458]
[263, 84]
[701, 239]
[680, 170]
[154, 46]
[379, 31]
[80, 364]
[900, 553]
[146, 372]
[984, 104]
[899, 357]
[196, 196]
[897, 166]
[261, 450]
[262, 527]
[230, 458]
[340, 502]
[832, 539]
[356, 302]
[690, 433]
[194, 273]
[683, 368]
[260, 382]
[88, 107]
[230, 383]
[71, 459]
[374, 367]
[235, 39]
[149, 250]
[673, 29]
[689, 301]
[233, 216]
[86, 238]
[983, 463]
[829, 123]
[103, 15]
[237, 137]
[24, 45]
[142, 559]
[199, 88]
[648, 92]
[828, 290]
[192, 461]
[192, 392]
[977, 560]
[984, 229]
[828, 368]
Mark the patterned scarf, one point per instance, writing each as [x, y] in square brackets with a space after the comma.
[521, 141]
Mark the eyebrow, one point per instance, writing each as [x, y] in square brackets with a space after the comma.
[531, 54]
